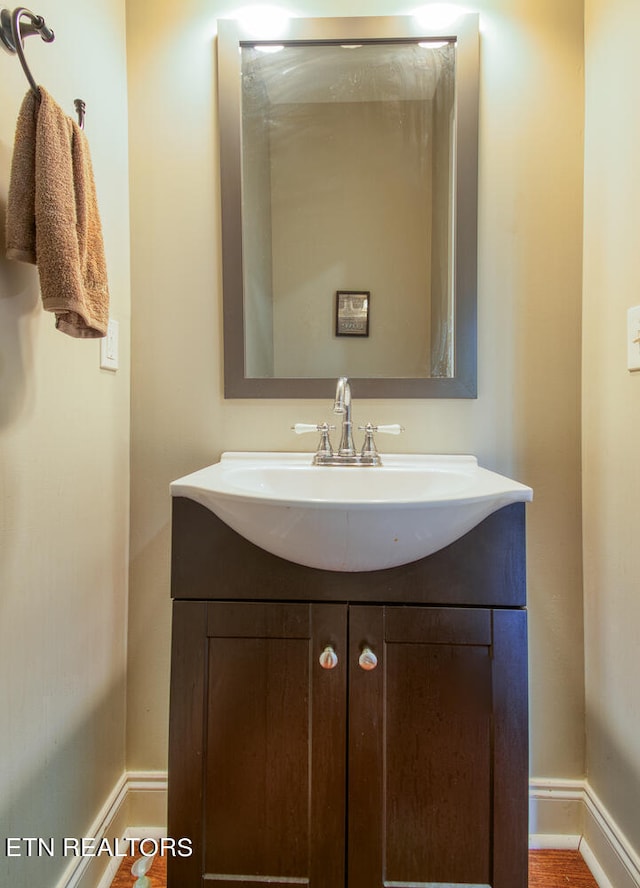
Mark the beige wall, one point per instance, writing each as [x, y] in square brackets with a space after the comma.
[526, 421]
[64, 480]
[611, 409]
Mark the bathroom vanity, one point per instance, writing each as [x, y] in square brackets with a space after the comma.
[348, 729]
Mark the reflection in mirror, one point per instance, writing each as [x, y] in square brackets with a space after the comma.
[347, 174]
[349, 183]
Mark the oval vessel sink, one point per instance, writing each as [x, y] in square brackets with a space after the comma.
[350, 518]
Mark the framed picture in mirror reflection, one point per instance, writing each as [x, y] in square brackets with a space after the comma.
[352, 312]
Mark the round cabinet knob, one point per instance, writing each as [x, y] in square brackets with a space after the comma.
[367, 659]
[328, 658]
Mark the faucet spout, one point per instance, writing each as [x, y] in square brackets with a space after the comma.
[342, 406]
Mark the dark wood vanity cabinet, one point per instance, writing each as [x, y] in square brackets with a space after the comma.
[411, 773]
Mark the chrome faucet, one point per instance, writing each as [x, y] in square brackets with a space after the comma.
[342, 405]
[346, 455]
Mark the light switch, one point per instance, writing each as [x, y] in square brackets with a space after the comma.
[633, 338]
[109, 347]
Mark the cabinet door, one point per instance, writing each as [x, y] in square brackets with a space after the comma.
[428, 803]
[271, 757]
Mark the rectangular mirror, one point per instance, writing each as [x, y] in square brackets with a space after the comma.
[348, 154]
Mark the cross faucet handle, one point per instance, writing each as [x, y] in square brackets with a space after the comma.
[324, 449]
[393, 429]
[369, 449]
[301, 428]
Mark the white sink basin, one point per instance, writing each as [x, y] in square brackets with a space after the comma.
[350, 518]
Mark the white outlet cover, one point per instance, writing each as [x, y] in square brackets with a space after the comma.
[633, 338]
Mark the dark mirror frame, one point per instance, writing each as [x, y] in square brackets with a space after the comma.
[231, 36]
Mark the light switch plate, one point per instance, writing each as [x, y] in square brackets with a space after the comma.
[109, 347]
[633, 338]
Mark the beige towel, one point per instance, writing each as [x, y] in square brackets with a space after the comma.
[52, 216]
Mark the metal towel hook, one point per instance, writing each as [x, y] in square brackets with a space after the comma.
[12, 34]
[80, 107]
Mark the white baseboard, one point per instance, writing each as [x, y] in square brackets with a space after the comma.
[79, 867]
[109, 874]
[541, 842]
[135, 794]
[564, 814]
[569, 814]
[612, 853]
